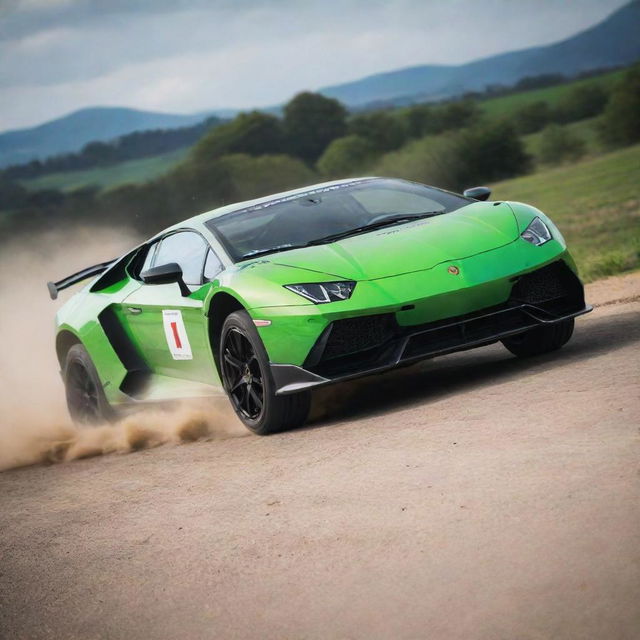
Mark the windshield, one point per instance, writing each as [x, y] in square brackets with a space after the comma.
[335, 210]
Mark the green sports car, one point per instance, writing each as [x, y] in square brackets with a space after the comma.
[266, 300]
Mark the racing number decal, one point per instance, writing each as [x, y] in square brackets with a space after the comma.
[176, 334]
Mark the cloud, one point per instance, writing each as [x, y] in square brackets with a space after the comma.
[186, 56]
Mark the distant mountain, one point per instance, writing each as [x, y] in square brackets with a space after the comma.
[613, 42]
[72, 132]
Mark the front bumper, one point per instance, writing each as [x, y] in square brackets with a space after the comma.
[365, 345]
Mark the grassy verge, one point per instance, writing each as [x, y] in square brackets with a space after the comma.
[132, 171]
[596, 205]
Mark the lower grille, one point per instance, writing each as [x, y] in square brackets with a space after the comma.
[550, 283]
[471, 330]
[358, 334]
[368, 342]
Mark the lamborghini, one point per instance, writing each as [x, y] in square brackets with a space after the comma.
[268, 299]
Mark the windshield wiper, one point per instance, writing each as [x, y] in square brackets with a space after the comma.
[403, 217]
[264, 252]
[393, 219]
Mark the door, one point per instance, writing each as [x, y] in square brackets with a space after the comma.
[171, 329]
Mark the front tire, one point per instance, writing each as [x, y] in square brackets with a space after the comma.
[541, 339]
[86, 401]
[244, 366]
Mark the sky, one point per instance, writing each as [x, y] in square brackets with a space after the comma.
[188, 56]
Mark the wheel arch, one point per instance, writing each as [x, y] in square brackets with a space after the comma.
[64, 341]
[221, 305]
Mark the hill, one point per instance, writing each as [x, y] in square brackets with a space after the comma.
[73, 131]
[130, 172]
[613, 42]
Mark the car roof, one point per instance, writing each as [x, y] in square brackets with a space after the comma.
[199, 220]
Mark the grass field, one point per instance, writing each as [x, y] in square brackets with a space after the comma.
[133, 171]
[551, 95]
[596, 205]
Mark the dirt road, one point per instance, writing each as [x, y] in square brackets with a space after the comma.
[474, 496]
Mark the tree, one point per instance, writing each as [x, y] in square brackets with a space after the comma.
[458, 114]
[418, 120]
[253, 133]
[532, 117]
[346, 156]
[98, 153]
[455, 160]
[620, 123]
[489, 152]
[580, 103]
[558, 144]
[311, 122]
[253, 177]
[381, 130]
[12, 194]
[425, 120]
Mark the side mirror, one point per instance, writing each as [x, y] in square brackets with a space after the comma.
[166, 274]
[477, 193]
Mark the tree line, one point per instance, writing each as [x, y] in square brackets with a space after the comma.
[452, 145]
[139, 144]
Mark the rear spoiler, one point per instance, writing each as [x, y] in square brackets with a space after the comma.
[55, 287]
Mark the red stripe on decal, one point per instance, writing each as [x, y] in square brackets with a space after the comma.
[176, 335]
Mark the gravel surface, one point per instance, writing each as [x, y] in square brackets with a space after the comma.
[472, 496]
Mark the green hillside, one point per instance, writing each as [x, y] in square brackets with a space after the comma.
[504, 105]
[596, 205]
[132, 171]
[145, 169]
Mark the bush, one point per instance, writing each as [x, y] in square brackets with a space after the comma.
[423, 120]
[257, 177]
[459, 114]
[382, 131]
[620, 123]
[253, 133]
[558, 145]
[532, 117]
[483, 153]
[346, 156]
[581, 103]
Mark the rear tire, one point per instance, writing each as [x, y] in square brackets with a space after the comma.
[86, 401]
[540, 340]
[244, 368]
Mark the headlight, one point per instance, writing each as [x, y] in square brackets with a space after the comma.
[536, 233]
[323, 292]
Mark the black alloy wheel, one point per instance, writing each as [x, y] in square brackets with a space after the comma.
[246, 376]
[242, 375]
[86, 401]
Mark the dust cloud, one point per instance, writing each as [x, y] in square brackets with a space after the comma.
[34, 423]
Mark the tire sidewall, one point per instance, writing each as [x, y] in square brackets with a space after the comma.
[78, 355]
[241, 321]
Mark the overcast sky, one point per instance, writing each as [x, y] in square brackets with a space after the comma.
[187, 56]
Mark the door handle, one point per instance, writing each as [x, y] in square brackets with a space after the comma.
[134, 310]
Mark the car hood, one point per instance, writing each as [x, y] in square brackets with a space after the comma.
[412, 246]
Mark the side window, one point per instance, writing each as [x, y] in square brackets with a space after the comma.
[188, 250]
[212, 266]
[148, 261]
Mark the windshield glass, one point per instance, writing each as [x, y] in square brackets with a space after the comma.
[294, 221]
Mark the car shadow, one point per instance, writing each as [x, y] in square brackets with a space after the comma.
[454, 374]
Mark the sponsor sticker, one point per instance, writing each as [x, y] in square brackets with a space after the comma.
[176, 334]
